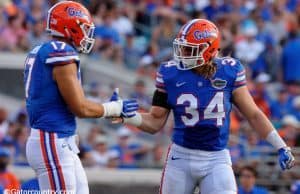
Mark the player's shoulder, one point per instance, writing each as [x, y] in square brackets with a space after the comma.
[58, 53]
[230, 65]
[55, 46]
[168, 69]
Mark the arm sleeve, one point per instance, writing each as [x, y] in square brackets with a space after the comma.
[160, 99]
[160, 83]
[61, 53]
[240, 75]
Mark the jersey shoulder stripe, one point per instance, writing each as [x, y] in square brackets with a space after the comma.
[165, 71]
[59, 53]
[62, 59]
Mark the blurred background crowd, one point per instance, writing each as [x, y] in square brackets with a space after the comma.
[137, 35]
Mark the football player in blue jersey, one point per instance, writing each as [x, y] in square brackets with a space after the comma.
[200, 88]
[54, 97]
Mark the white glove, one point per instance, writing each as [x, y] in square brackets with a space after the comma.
[113, 109]
[118, 107]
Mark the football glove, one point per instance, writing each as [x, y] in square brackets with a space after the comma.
[118, 107]
[286, 158]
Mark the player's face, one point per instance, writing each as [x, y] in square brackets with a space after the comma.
[247, 179]
[188, 51]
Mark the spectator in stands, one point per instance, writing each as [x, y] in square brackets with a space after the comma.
[269, 60]
[260, 95]
[263, 10]
[35, 12]
[92, 92]
[289, 131]
[249, 43]
[140, 94]
[277, 26]
[21, 119]
[108, 40]
[101, 155]
[290, 60]
[132, 52]
[155, 157]
[296, 107]
[20, 138]
[94, 132]
[213, 10]
[282, 105]
[224, 24]
[13, 36]
[9, 144]
[85, 155]
[3, 123]
[163, 35]
[130, 153]
[37, 35]
[157, 153]
[237, 10]
[122, 22]
[247, 180]
[148, 64]
[237, 152]
[254, 148]
[8, 180]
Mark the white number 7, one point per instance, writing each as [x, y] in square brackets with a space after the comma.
[29, 64]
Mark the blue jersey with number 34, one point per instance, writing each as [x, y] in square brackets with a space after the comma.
[201, 107]
[45, 105]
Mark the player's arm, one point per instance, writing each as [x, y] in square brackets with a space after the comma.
[72, 92]
[154, 120]
[258, 120]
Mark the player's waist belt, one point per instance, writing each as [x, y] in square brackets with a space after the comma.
[71, 140]
[198, 152]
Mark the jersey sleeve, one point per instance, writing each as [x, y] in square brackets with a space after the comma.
[160, 84]
[240, 75]
[60, 53]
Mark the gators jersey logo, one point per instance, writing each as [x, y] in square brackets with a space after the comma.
[218, 83]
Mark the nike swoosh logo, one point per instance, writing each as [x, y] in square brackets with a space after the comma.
[174, 158]
[178, 84]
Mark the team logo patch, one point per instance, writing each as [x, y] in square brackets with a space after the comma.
[76, 13]
[218, 83]
[204, 34]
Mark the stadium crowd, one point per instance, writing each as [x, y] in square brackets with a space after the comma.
[137, 35]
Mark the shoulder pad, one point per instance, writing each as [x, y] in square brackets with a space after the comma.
[60, 53]
[230, 64]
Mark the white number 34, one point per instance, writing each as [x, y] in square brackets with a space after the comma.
[214, 110]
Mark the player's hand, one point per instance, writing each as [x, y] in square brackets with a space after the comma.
[120, 108]
[286, 158]
[129, 106]
[115, 95]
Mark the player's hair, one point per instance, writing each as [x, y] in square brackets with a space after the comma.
[250, 169]
[207, 70]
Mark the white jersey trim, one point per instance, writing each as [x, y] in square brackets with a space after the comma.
[62, 59]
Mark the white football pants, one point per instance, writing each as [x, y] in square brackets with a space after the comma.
[185, 169]
[56, 163]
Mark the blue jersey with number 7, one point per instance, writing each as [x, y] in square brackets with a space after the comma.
[201, 107]
[45, 105]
